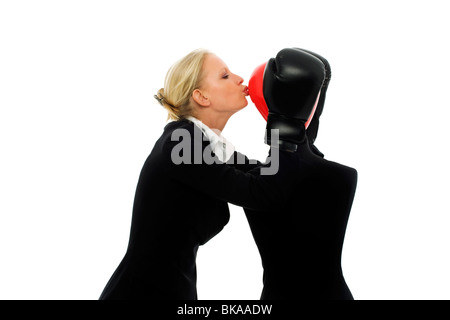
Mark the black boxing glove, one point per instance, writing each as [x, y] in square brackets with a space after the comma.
[311, 131]
[291, 85]
[313, 127]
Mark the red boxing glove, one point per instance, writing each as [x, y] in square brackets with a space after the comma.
[255, 90]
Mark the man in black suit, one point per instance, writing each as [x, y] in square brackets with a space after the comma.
[301, 241]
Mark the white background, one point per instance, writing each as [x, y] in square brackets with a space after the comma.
[78, 119]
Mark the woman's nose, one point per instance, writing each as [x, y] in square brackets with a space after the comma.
[239, 80]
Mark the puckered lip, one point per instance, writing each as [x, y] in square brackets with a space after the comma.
[246, 90]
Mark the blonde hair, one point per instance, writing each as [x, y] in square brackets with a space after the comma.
[181, 80]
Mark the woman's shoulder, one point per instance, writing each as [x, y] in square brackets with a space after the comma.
[178, 124]
[174, 129]
[178, 132]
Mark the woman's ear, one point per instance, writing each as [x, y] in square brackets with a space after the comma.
[200, 99]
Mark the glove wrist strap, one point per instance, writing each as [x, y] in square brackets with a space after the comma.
[291, 132]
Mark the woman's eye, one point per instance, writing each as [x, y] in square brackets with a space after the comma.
[225, 76]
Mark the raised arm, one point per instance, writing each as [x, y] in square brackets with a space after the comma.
[205, 173]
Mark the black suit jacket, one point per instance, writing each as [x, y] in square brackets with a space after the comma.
[301, 241]
[178, 207]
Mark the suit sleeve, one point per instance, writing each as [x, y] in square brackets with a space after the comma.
[227, 183]
[240, 162]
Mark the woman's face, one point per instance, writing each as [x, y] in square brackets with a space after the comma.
[224, 89]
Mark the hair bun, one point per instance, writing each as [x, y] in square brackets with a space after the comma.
[162, 100]
[160, 97]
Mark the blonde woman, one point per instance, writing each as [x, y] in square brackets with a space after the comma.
[187, 180]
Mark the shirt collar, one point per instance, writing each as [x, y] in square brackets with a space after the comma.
[222, 148]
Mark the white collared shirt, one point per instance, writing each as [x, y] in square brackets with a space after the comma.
[221, 147]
